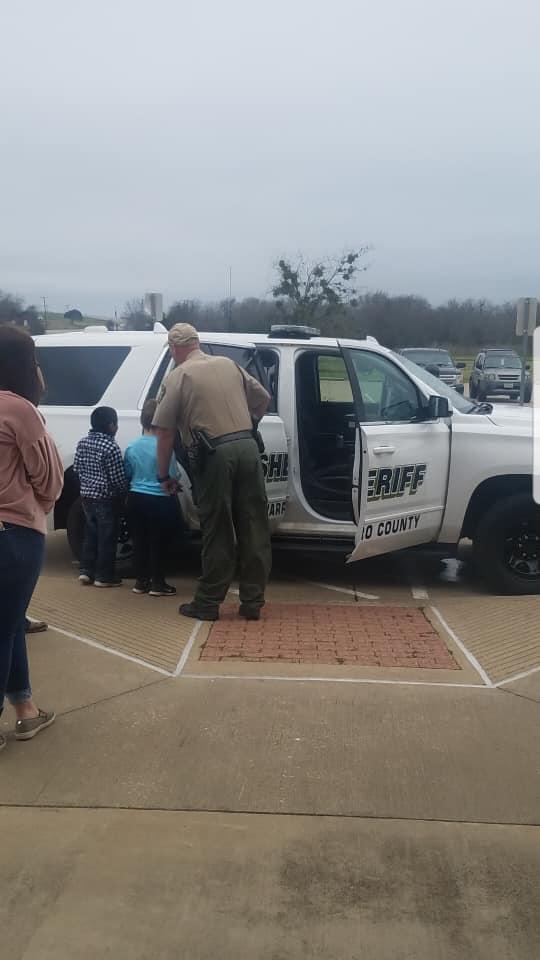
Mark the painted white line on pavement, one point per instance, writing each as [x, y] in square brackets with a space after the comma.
[187, 649]
[517, 676]
[115, 653]
[398, 683]
[466, 653]
[351, 593]
[419, 593]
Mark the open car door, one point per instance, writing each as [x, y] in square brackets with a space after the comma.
[402, 457]
[359, 488]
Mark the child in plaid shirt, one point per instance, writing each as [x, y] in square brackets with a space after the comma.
[99, 465]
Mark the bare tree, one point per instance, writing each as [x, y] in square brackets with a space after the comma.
[135, 316]
[12, 310]
[313, 291]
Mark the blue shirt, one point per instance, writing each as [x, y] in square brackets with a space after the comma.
[140, 463]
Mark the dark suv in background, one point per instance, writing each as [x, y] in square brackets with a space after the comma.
[496, 373]
[439, 362]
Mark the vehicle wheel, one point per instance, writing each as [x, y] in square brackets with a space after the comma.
[528, 394]
[75, 528]
[481, 394]
[472, 390]
[507, 545]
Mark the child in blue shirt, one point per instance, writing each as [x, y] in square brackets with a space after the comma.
[152, 513]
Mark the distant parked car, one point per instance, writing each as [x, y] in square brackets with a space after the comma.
[497, 372]
[438, 362]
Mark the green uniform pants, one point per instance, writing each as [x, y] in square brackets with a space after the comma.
[234, 523]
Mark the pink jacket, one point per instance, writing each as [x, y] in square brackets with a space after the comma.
[31, 472]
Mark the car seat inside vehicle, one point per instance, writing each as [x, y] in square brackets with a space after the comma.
[325, 415]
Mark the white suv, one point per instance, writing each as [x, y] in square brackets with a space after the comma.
[365, 451]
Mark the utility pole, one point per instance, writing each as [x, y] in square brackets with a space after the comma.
[525, 327]
[44, 310]
[229, 310]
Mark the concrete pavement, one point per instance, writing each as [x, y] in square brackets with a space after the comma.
[139, 885]
[164, 817]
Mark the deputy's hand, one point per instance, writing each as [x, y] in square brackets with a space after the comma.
[170, 486]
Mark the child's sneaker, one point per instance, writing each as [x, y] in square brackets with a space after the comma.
[141, 586]
[162, 590]
[107, 583]
[86, 579]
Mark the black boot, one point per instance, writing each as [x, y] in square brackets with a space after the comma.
[249, 613]
[198, 613]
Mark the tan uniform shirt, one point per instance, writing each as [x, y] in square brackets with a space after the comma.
[211, 394]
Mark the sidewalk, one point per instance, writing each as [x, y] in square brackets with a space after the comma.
[165, 817]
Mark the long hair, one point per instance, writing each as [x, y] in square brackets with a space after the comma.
[18, 366]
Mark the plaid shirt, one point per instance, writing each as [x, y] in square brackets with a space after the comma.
[98, 464]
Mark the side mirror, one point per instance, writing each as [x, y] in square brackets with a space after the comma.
[527, 366]
[433, 369]
[438, 408]
[460, 365]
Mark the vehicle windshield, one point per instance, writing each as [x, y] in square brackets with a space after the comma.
[429, 356]
[440, 388]
[498, 360]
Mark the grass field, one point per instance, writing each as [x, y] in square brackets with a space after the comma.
[56, 321]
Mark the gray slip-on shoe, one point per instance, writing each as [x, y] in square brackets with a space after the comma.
[26, 729]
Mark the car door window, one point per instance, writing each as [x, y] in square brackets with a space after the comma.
[164, 368]
[333, 380]
[388, 395]
[247, 358]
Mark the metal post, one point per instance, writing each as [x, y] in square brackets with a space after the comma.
[523, 365]
[229, 310]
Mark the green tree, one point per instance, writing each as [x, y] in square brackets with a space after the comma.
[315, 291]
[73, 315]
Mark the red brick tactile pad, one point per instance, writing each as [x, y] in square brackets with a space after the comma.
[333, 634]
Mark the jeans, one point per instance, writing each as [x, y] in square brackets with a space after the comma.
[100, 536]
[21, 557]
[152, 520]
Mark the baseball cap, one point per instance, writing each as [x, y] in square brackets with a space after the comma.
[182, 334]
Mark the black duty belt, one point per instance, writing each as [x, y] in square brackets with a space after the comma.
[230, 437]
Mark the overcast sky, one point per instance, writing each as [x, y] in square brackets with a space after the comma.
[151, 145]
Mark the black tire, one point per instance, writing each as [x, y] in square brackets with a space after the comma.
[75, 528]
[481, 394]
[472, 390]
[528, 394]
[507, 546]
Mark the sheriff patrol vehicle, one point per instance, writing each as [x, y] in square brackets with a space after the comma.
[365, 451]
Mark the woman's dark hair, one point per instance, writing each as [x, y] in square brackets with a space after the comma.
[147, 413]
[18, 365]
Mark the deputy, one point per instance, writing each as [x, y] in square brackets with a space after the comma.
[215, 404]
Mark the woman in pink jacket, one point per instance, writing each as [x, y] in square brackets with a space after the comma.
[31, 478]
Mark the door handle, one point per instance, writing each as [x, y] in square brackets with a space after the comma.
[380, 450]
